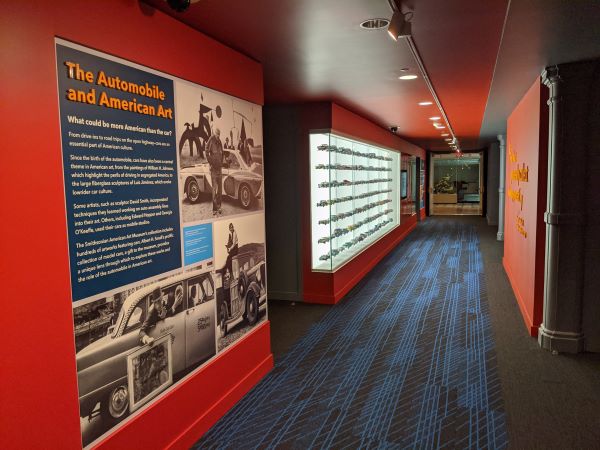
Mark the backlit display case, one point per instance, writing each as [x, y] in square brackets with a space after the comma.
[355, 197]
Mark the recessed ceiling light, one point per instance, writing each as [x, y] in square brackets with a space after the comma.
[448, 139]
[407, 77]
[435, 118]
[445, 134]
[425, 103]
[438, 126]
[374, 24]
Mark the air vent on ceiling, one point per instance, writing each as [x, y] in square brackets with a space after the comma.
[375, 24]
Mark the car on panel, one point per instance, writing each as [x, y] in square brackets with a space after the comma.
[241, 294]
[102, 365]
[241, 181]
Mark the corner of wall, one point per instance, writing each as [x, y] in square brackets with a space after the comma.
[532, 329]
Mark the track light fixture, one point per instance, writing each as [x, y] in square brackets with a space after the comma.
[180, 5]
[399, 26]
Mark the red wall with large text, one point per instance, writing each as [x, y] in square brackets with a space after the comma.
[38, 382]
[525, 203]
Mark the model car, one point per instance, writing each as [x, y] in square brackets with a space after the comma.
[241, 295]
[102, 365]
[241, 181]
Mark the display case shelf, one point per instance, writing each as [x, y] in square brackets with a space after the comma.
[354, 197]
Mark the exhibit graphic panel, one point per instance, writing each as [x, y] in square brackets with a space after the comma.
[157, 171]
[354, 197]
[403, 184]
[119, 165]
[203, 115]
[240, 276]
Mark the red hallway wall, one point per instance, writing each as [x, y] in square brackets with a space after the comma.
[327, 287]
[39, 404]
[527, 146]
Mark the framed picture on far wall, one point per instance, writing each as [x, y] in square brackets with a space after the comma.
[149, 371]
[403, 184]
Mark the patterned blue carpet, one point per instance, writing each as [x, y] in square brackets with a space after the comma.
[405, 361]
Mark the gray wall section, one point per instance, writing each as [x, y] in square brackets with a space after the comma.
[282, 200]
[572, 275]
[493, 183]
[286, 135]
[589, 98]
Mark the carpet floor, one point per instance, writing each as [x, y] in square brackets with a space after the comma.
[406, 360]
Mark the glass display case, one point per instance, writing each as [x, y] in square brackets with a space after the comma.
[354, 197]
[422, 184]
[408, 176]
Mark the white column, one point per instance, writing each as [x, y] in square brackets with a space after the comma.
[500, 235]
[566, 217]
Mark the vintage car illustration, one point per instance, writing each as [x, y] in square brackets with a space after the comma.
[241, 295]
[240, 181]
[102, 365]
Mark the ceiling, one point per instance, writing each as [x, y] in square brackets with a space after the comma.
[481, 56]
[538, 34]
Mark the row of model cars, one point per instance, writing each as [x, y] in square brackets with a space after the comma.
[353, 167]
[342, 231]
[355, 241]
[362, 209]
[335, 183]
[349, 151]
[349, 198]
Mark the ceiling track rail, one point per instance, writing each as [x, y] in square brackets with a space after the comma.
[417, 56]
[413, 49]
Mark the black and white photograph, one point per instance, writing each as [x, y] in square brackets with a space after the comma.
[109, 329]
[219, 141]
[149, 371]
[240, 276]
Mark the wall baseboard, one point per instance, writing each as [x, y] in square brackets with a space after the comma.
[201, 425]
[531, 328]
[211, 415]
[332, 299]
